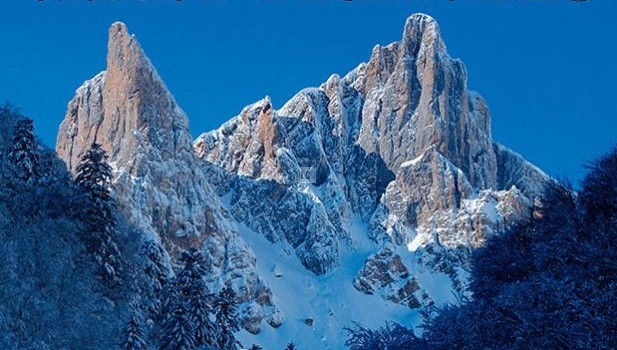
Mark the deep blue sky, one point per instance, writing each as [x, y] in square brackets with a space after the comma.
[547, 68]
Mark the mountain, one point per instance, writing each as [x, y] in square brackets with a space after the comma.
[368, 191]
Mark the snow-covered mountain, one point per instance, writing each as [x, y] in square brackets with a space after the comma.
[366, 192]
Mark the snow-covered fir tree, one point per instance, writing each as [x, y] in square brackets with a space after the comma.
[226, 318]
[47, 300]
[157, 271]
[196, 295]
[94, 177]
[24, 151]
[188, 298]
[178, 332]
[205, 329]
[291, 346]
[134, 334]
[9, 115]
[392, 336]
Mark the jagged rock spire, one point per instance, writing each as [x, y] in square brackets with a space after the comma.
[417, 97]
[125, 108]
[421, 29]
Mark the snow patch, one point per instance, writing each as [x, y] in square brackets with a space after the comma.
[412, 162]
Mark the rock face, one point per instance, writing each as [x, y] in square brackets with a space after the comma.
[399, 143]
[416, 98]
[431, 200]
[158, 182]
[385, 272]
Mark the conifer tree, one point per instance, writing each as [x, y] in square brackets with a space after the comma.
[94, 178]
[156, 272]
[187, 300]
[291, 346]
[226, 314]
[178, 332]
[134, 335]
[205, 329]
[23, 151]
[197, 297]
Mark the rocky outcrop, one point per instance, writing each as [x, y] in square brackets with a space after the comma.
[514, 170]
[292, 177]
[158, 182]
[384, 272]
[431, 200]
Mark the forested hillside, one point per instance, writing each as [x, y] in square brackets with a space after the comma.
[51, 297]
[74, 275]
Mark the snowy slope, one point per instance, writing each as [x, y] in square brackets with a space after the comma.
[330, 300]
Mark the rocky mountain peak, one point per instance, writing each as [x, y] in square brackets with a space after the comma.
[421, 31]
[121, 44]
[134, 110]
[400, 143]
[127, 65]
[417, 97]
